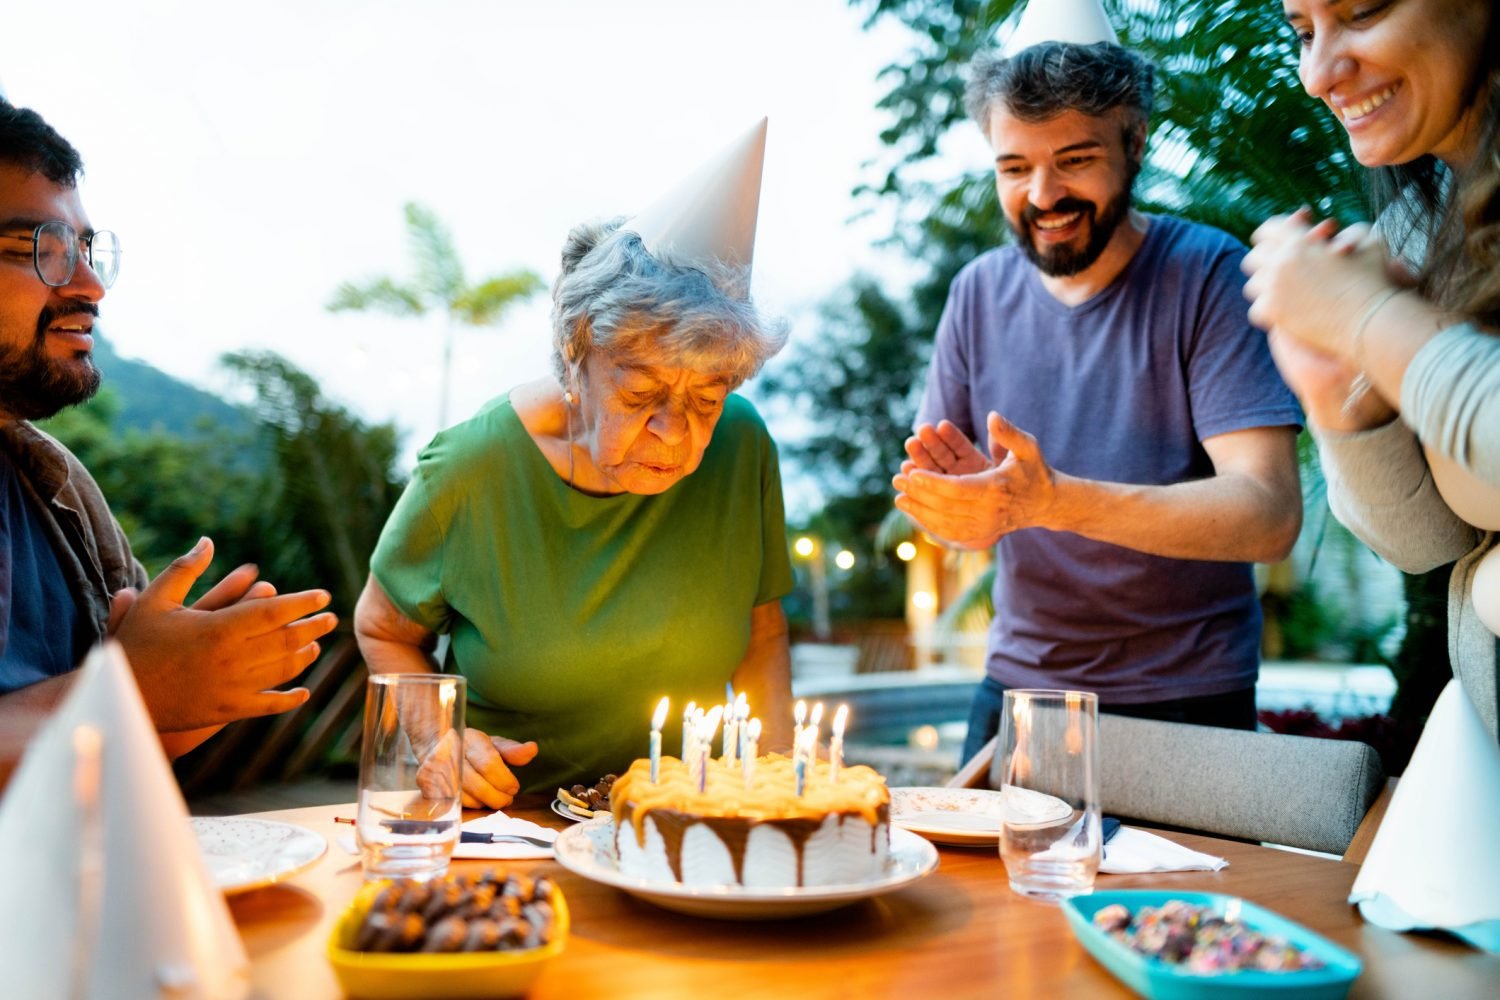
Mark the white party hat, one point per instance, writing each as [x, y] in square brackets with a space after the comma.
[1078, 22]
[711, 214]
[105, 891]
[1433, 863]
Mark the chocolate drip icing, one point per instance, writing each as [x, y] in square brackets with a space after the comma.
[734, 833]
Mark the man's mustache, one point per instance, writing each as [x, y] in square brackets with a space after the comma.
[1031, 213]
[50, 315]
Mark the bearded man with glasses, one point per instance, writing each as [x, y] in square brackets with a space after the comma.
[67, 575]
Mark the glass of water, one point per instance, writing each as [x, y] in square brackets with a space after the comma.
[1050, 838]
[410, 774]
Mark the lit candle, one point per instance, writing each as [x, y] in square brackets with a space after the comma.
[799, 716]
[836, 743]
[800, 761]
[741, 719]
[687, 725]
[705, 739]
[814, 724]
[731, 734]
[656, 723]
[752, 737]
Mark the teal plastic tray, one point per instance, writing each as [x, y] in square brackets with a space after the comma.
[1153, 978]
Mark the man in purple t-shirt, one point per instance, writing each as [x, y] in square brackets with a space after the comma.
[1141, 446]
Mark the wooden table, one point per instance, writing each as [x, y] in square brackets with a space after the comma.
[958, 932]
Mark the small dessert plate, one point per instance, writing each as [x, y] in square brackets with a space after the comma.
[969, 817]
[961, 817]
[589, 850]
[1151, 977]
[561, 808]
[244, 854]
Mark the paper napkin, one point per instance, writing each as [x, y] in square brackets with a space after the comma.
[496, 822]
[1134, 852]
[1433, 862]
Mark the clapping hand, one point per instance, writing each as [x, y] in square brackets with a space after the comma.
[1309, 285]
[222, 658]
[956, 492]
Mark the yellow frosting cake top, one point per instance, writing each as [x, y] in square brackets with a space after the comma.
[772, 793]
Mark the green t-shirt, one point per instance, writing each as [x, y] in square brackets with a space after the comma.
[572, 615]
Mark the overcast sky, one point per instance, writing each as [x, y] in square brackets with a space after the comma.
[253, 157]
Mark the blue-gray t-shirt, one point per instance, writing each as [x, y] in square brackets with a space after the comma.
[1122, 388]
[39, 626]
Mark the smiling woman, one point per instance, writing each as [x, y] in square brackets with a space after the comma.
[1411, 311]
[595, 540]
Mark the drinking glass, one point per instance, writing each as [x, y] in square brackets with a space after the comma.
[410, 775]
[1050, 838]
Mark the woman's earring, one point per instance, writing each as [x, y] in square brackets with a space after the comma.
[568, 396]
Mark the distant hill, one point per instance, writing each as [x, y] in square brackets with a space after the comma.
[150, 399]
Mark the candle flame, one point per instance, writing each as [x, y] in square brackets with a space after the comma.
[817, 714]
[800, 712]
[839, 719]
[754, 733]
[660, 718]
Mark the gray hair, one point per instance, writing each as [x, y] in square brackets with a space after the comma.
[616, 298]
[1043, 81]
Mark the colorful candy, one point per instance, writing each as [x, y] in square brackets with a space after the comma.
[1200, 940]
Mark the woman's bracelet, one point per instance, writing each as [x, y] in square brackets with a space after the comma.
[1360, 385]
[1357, 339]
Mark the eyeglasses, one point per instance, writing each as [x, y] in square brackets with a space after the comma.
[56, 248]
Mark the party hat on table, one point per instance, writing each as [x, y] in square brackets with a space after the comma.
[1433, 862]
[711, 214]
[105, 892]
[1078, 22]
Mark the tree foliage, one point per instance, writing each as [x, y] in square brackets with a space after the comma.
[332, 483]
[303, 495]
[439, 285]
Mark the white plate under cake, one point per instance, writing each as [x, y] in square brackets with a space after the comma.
[588, 850]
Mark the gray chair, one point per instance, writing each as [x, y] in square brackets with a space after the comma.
[1290, 790]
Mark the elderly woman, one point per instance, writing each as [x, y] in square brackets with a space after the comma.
[1365, 338]
[594, 541]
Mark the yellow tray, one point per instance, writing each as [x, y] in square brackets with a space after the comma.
[408, 976]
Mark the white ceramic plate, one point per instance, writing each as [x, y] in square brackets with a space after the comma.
[244, 854]
[589, 850]
[561, 808]
[968, 817]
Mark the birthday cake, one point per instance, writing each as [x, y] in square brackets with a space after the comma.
[763, 835]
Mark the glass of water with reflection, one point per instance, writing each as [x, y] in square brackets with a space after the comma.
[410, 774]
[1050, 838]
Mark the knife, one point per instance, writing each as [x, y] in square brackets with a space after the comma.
[474, 837]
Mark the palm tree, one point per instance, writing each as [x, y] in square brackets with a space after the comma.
[439, 284]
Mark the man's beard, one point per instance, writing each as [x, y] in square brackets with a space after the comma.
[1063, 261]
[34, 386]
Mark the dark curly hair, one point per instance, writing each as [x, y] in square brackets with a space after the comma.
[1450, 219]
[1043, 81]
[28, 142]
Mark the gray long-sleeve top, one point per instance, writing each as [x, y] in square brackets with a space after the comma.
[1380, 487]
